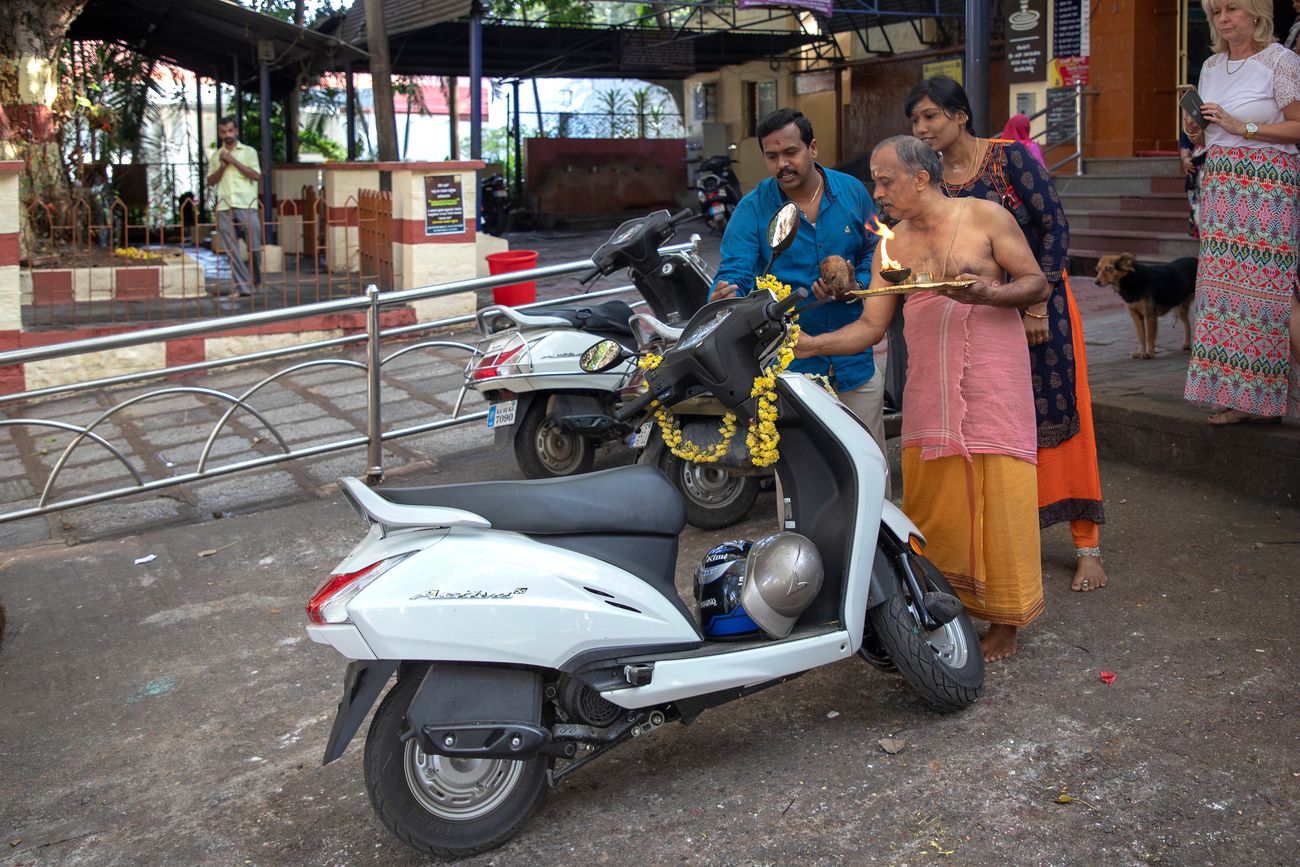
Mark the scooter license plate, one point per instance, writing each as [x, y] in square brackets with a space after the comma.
[717, 210]
[502, 414]
[640, 436]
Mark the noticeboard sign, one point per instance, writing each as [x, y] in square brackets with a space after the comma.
[1026, 40]
[950, 66]
[1061, 112]
[444, 205]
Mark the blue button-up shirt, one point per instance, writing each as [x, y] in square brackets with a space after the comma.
[841, 230]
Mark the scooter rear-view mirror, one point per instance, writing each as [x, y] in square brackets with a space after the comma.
[781, 230]
[601, 356]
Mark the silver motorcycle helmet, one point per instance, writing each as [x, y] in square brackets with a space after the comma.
[783, 575]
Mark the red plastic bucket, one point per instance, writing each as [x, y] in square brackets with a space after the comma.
[513, 294]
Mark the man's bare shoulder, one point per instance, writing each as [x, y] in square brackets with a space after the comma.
[988, 214]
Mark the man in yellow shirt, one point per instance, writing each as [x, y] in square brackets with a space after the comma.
[233, 173]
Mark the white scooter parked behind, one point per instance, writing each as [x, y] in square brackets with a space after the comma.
[535, 625]
[554, 413]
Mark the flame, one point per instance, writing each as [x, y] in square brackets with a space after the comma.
[885, 233]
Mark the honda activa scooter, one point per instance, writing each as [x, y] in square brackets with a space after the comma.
[534, 626]
[553, 413]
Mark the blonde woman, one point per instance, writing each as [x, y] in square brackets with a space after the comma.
[1246, 281]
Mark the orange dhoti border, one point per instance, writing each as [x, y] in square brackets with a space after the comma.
[980, 522]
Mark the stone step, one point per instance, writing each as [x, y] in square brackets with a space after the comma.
[1171, 202]
[1146, 167]
[1118, 185]
[1166, 222]
[1137, 242]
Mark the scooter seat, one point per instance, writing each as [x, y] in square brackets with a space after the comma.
[607, 319]
[637, 500]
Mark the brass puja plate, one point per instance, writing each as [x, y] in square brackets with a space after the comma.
[910, 288]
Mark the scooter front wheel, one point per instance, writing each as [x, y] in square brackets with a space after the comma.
[447, 808]
[543, 451]
[945, 665]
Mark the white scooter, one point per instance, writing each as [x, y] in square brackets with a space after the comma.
[551, 411]
[535, 625]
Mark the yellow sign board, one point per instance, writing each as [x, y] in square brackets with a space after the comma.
[950, 66]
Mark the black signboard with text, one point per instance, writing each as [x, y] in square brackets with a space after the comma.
[1067, 28]
[1026, 35]
[1061, 110]
[444, 205]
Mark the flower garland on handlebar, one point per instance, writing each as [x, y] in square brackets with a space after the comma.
[762, 437]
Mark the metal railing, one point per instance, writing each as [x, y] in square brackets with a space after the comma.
[373, 437]
[1076, 119]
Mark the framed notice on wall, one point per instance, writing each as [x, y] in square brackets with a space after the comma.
[1027, 49]
[444, 205]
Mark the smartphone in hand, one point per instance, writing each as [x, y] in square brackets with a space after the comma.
[1191, 103]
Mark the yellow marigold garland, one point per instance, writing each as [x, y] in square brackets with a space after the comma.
[136, 253]
[762, 438]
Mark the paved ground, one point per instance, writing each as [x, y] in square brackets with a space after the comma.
[171, 711]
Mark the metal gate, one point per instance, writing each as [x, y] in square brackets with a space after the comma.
[375, 235]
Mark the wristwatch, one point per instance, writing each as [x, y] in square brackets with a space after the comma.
[1251, 129]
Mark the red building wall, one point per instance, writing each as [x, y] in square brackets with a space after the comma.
[597, 176]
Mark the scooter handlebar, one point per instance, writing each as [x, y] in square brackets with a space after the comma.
[777, 309]
[681, 216]
[627, 411]
[589, 276]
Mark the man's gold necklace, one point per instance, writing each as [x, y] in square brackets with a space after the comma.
[803, 209]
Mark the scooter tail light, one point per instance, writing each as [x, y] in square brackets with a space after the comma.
[329, 604]
[492, 364]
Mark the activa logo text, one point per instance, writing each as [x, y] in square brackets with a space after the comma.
[469, 594]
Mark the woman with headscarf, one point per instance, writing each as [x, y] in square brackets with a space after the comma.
[1017, 130]
[1247, 305]
[1069, 483]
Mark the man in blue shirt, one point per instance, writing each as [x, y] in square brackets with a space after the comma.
[837, 211]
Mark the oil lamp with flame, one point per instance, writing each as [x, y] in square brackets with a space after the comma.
[891, 270]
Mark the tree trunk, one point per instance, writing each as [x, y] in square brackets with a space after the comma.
[291, 102]
[381, 84]
[33, 99]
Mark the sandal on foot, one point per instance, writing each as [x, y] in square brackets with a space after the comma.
[1226, 417]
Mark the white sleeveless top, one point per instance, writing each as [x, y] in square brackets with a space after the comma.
[1257, 90]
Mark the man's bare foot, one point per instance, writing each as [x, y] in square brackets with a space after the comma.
[1088, 575]
[999, 642]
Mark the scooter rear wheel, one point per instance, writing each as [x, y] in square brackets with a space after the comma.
[714, 497]
[944, 666]
[543, 451]
[447, 808]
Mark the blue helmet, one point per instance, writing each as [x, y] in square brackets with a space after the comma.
[718, 583]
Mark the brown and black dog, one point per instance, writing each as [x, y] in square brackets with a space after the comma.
[1151, 291]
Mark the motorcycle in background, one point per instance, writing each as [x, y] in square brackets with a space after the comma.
[718, 190]
[494, 204]
[552, 412]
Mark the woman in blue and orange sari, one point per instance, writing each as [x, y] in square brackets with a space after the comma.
[1069, 484]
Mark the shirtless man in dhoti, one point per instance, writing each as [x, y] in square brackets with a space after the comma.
[969, 437]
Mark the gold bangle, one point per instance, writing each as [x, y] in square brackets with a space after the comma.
[1034, 315]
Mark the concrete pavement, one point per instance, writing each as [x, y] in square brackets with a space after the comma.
[162, 705]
